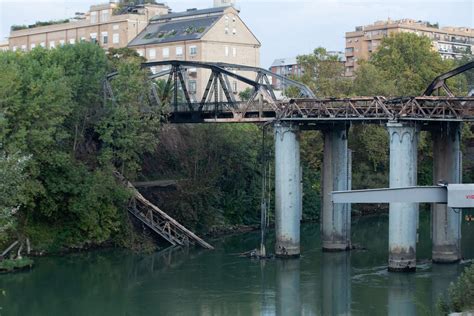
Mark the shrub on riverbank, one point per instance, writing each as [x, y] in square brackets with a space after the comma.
[10, 265]
[460, 293]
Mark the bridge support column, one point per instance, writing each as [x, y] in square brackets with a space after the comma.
[446, 229]
[403, 217]
[287, 190]
[336, 218]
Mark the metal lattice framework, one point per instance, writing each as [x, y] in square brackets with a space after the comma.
[218, 102]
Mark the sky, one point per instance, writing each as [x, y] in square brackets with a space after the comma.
[285, 28]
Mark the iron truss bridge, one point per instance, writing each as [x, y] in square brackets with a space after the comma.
[181, 89]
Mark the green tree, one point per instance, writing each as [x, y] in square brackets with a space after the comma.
[52, 110]
[11, 191]
[324, 74]
[403, 65]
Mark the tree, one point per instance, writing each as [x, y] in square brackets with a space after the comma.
[52, 110]
[12, 173]
[324, 73]
[403, 65]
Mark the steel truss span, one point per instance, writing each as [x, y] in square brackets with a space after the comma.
[218, 101]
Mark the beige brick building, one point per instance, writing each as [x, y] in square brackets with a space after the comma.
[209, 35]
[102, 24]
[450, 42]
[4, 46]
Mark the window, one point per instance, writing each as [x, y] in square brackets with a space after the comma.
[23, 48]
[32, 46]
[115, 27]
[72, 41]
[61, 42]
[234, 51]
[43, 44]
[226, 30]
[152, 53]
[93, 37]
[153, 70]
[226, 20]
[104, 15]
[14, 48]
[140, 52]
[234, 31]
[193, 50]
[179, 51]
[94, 17]
[52, 44]
[105, 38]
[226, 48]
[233, 19]
[83, 39]
[116, 38]
[234, 86]
[166, 52]
[192, 86]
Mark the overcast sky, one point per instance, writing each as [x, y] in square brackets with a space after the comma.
[285, 28]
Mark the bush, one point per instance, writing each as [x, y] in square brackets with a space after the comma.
[460, 294]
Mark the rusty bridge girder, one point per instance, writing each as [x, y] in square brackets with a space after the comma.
[218, 103]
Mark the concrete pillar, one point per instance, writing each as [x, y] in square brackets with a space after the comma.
[335, 218]
[287, 190]
[403, 217]
[288, 301]
[336, 283]
[446, 229]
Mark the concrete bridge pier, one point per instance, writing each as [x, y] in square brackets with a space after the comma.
[287, 190]
[403, 217]
[335, 218]
[446, 223]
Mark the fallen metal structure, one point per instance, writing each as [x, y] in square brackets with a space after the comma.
[159, 222]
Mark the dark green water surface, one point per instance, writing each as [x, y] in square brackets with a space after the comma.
[198, 282]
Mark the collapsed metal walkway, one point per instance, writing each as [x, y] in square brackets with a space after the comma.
[160, 222]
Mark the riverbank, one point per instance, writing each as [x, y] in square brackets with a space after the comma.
[15, 265]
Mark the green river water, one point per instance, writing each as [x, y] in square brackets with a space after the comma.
[200, 282]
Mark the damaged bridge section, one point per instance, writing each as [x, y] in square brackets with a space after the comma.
[159, 222]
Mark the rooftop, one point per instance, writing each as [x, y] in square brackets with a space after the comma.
[190, 13]
[173, 31]
[191, 24]
[415, 24]
[284, 62]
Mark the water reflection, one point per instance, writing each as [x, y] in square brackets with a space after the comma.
[198, 282]
[288, 287]
[336, 283]
[401, 295]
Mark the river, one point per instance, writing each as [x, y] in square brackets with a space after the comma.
[200, 282]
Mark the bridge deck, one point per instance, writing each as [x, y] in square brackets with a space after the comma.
[357, 109]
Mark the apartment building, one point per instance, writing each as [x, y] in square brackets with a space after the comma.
[450, 42]
[207, 35]
[106, 24]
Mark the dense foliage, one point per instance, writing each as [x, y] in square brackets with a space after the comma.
[460, 294]
[53, 112]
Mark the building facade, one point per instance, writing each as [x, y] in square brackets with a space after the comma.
[4, 46]
[208, 35]
[450, 42]
[287, 67]
[104, 24]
